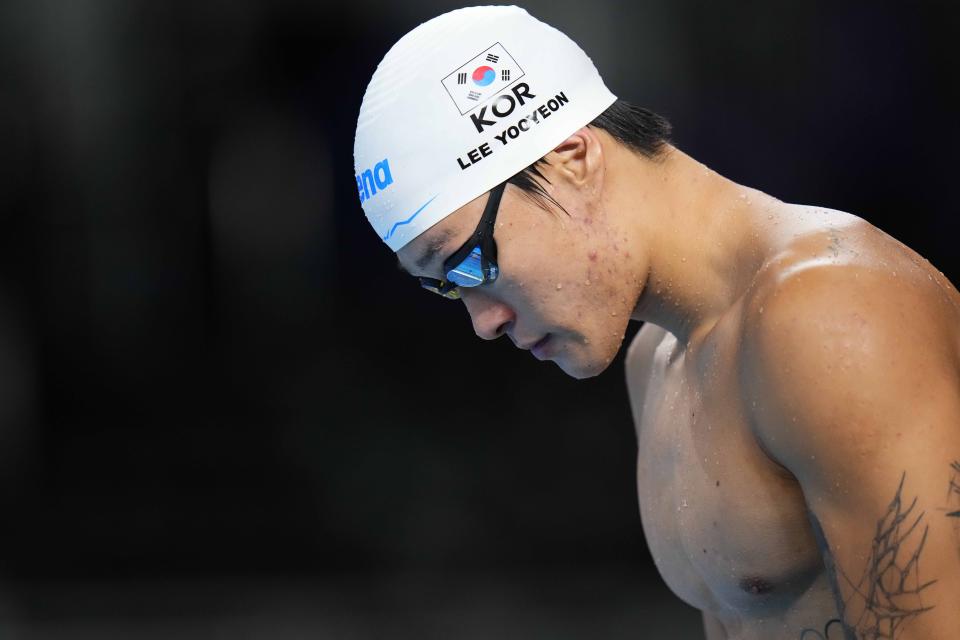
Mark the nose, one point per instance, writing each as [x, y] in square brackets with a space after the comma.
[490, 317]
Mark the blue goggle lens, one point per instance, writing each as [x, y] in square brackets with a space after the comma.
[469, 273]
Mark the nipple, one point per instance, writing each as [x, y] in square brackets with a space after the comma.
[755, 585]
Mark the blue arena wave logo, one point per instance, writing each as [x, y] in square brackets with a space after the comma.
[400, 223]
[372, 180]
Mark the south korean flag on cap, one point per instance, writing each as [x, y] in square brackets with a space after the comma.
[483, 77]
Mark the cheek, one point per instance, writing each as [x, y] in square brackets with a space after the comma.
[603, 284]
[600, 295]
[574, 277]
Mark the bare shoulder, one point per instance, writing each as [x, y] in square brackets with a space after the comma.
[844, 266]
[844, 312]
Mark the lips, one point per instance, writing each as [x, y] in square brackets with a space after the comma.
[526, 346]
[540, 348]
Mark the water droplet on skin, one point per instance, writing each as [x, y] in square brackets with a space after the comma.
[683, 259]
[761, 309]
[770, 217]
[613, 313]
[559, 286]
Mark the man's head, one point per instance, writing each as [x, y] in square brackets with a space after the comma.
[554, 272]
[565, 272]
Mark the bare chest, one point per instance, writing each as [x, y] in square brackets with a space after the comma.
[726, 526]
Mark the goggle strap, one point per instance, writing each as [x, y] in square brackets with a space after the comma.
[483, 236]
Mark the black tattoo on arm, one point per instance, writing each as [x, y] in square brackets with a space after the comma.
[834, 626]
[888, 593]
[953, 502]
[953, 489]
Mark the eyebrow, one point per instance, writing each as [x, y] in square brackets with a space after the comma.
[430, 252]
[433, 248]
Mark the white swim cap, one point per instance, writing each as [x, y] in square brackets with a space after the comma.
[459, 105]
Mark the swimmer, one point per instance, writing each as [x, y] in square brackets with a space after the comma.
[795, 385]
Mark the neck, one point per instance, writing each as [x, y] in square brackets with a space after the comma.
[704, 241]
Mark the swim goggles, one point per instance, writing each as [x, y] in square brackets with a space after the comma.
[475, 262]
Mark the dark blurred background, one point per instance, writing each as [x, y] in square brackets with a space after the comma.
[222, 407]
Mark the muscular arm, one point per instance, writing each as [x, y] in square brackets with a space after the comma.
[854, 388]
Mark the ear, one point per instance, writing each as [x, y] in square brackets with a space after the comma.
[579, 159]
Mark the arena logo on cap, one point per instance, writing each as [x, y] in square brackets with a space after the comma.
[481, 78]
[372, 179]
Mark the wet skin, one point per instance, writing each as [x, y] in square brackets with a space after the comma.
[779, 455]
[573, 276]
[795, 390]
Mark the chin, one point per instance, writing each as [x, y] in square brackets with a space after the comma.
[581, 370]
[583, 359]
